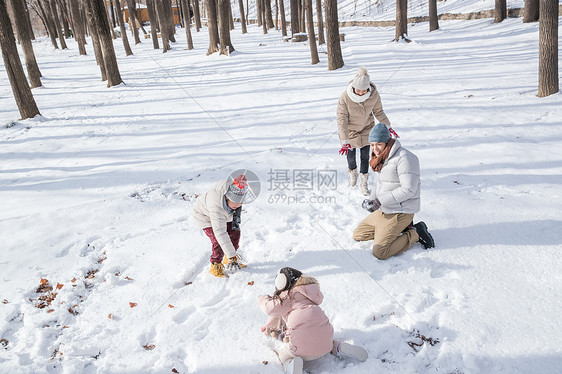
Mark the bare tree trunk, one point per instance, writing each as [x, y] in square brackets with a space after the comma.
[335, 58]
[164, 33]
[401, 21]
[95, 40]
[226, 47]
[302, 26]
[171, 25]
[197, 15]
[321, 39]
[101, 24]
[22, 93]
[531, 11]
[133, 18]
[548, 48]
[212, 25]
[78, 27]
[433, 18]
[295, 17]
[112, 13]
[242, 18]
[276, 15]
[113, 34]
[230, 17]
[259, 11]
[311, 36]
[56, 21]
[500, 11]
[124, 37]
[187, 20]
[64, 18]
[268, 14]
[283, 19]
[153, 18]
[263, 17]
[49, 26]
[31, 33]
[17, 11]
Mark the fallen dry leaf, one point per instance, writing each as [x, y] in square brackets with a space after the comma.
[72, 311]
[132, 305]
[265, 362]
[73, 280]
[174, 370]
[59, 286]
[50, 311]
[5, 301]
[110, 316]
[251, 283]
[171, 306]
[149, 347]
[187, 283]
[4, 342]
[128, 278]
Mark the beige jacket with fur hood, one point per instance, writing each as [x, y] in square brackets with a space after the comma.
[209, 211]
[355, 116]
[308, 329]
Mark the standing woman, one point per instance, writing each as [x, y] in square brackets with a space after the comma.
[358, 107]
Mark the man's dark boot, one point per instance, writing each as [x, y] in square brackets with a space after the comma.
[426, 240]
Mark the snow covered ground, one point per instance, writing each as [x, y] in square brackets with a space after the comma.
[97, 194]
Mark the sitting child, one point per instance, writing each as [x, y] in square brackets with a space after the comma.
[297, 319]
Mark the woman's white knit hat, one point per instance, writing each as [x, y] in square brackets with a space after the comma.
[362, 80]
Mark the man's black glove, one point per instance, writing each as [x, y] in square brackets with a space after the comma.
[371, 205]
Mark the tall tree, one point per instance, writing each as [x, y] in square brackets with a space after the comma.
[433, 18]
[187, 20]
[124, 37]
[401, 21]
[283, 19]
[335, 58]
[197, 15]
[212, 25]
[31, 33]
[311, 37]
[500, 11]
[63, 14]
[153, 19]
[164, 34]
[531, 11]
[548, 48]
[22, 93]
[17, 11]
[242, 18]
[55, 17]
[320, 22]
[133, 17]
[112, 14]
[259, 12]
[45, 15]
[101, 24]
[263, 16]
[295, 16]
[171, 26]
[78, 27]
[95, 39]
[226, 47]
[268, 14]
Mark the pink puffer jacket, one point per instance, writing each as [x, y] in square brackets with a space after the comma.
[308, 329]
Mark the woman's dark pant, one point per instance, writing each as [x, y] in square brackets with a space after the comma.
[364, 154]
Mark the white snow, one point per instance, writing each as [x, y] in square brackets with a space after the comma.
[106, 179]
